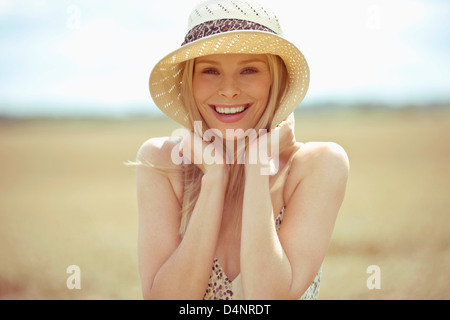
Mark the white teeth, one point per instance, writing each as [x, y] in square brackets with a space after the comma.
[230, 110]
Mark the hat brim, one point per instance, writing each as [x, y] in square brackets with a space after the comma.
[165, 78]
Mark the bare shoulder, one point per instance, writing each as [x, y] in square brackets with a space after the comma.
[322, 154]
[158, 152]
[319, 159]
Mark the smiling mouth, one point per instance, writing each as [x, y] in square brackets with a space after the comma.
[230, 110]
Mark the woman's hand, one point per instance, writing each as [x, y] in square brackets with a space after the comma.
[286, 133]
[207, 156]
[268, 147]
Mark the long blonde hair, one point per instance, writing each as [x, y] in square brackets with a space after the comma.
[236, 181]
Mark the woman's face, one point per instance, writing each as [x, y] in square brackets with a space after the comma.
[231, 90]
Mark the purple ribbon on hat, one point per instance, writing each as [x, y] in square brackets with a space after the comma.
[213, 27]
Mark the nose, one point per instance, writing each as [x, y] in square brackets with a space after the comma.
[229, 88]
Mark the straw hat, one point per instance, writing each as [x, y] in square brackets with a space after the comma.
[226, 27]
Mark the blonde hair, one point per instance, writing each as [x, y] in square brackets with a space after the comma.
[236, 181]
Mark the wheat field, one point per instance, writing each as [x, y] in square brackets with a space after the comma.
[67, 199]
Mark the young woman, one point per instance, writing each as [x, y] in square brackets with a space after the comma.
[246, 224]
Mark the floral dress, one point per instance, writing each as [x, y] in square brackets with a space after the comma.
[222, 288]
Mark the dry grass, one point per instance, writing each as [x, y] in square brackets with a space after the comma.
[66, 198]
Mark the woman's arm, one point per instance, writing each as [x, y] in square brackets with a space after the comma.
[171, 267]
[283, 265]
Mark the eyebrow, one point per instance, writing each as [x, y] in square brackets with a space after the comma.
[206, 61]
[241, 62]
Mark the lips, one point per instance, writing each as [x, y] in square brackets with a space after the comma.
[230, 113]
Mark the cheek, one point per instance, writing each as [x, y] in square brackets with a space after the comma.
[202, 89]
[261, 91]
[201, 94]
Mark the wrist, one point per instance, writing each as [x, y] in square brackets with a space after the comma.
[216, 174]
[267, 168]
[257, 171]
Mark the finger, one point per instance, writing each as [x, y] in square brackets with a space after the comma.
[185, 147]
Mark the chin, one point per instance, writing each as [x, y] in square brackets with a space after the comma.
[238, 130]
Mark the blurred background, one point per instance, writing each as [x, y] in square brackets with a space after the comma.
[74, 106]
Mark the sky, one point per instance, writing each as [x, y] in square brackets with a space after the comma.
[70, 57]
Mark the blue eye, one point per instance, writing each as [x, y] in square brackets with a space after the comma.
[210, 71]
[249, 70]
